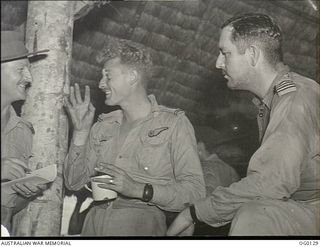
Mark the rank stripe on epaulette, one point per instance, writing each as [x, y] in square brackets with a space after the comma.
[284, 87]
[284, 84]
[282, 92]
[287, 89]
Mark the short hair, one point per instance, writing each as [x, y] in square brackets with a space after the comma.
[129, 53]
[259, 29]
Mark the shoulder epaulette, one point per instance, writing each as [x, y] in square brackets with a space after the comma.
[285, 86]
[110, 115]
[176, 112]
[102, 117]
[29, 125]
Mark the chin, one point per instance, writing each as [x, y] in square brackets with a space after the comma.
[233, 85]
[109, 102]
[20, 97]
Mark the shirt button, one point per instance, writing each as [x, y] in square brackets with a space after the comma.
[260, 114]
[120, 157]
[146, 168]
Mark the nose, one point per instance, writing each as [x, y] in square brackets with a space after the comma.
[220, 62]
[27, 75]
[103, 83]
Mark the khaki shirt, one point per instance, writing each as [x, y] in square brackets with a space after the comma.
[287, 164]
[16, 142]
[160, 149]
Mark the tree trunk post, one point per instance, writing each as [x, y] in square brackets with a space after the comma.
[49, 26]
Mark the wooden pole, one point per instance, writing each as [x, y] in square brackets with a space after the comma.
[49, 25]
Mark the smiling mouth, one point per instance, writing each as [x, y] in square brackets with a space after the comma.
[225, 75]
[25, 85]
[107, 92]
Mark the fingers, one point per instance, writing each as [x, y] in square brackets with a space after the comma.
[104, 180]
[23, 190]
[66, 103]
[31, 187]
[87, 95]
[78, 94]
[72, 98]
[42, 187]
[109, 187]
[70, 110]
[109, 169]
[92, 109]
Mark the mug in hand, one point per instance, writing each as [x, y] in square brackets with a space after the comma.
[99, 194]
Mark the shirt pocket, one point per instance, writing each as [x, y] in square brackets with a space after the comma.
[154, 154]
[103, 147]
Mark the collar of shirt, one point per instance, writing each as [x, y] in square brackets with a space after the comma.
[283, 69]
[13, 120]
[212, 156]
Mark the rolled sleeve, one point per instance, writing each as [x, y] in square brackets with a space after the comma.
[80, 164]
[188, 185]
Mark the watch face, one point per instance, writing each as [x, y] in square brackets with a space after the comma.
[147, 193]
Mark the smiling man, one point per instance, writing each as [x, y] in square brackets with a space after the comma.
[280, 194]
[16, 133]
[149, 150]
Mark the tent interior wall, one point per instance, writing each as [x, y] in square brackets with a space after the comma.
[183, 38]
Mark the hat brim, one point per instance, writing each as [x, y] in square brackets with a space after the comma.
[26, 55]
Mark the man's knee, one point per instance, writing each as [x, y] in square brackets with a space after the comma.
[253, 218]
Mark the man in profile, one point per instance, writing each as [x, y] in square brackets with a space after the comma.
[149, 150]
[16, 132]
[281, 193]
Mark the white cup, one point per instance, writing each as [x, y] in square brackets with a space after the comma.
[99, 194]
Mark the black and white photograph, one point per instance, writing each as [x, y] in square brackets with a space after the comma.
[160, 119]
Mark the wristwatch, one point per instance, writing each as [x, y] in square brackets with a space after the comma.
[147, 193]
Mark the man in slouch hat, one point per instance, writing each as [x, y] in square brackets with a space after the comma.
[16, 132]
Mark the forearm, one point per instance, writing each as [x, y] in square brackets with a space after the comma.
[221, 206]
[174, 196]
[76, 171]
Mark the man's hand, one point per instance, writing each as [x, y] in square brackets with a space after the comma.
[80, 111]
[12, 168]
[120, 181]
[182, 225]
[28, 189]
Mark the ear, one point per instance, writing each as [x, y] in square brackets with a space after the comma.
[133, 77]
[254, 54]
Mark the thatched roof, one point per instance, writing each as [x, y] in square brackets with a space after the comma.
[183, 36]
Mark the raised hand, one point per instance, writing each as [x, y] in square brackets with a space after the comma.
[81, 111]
